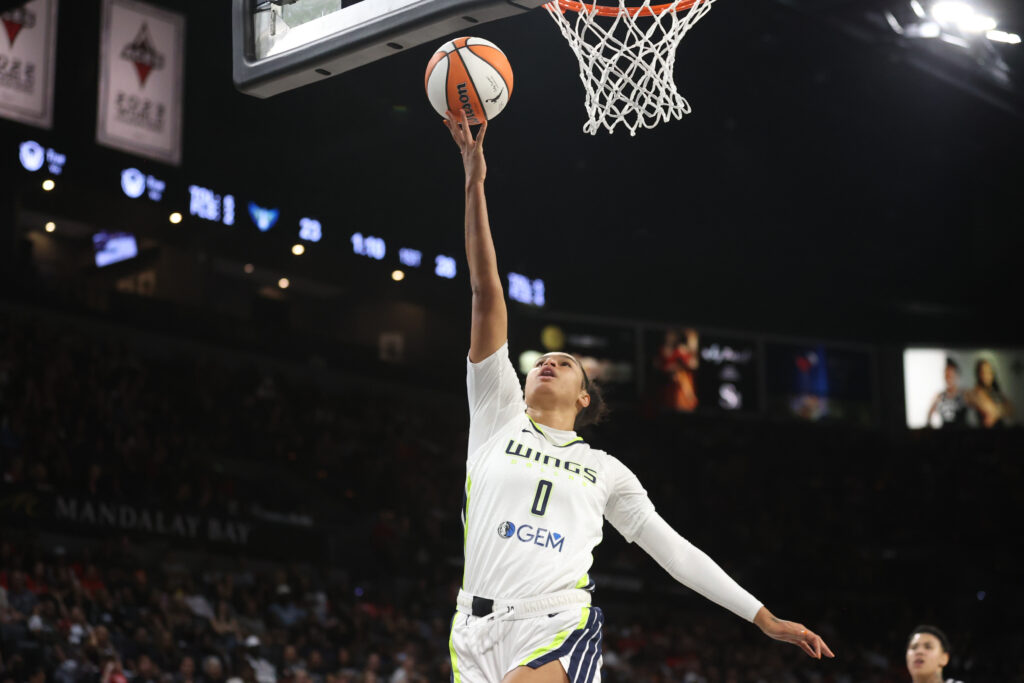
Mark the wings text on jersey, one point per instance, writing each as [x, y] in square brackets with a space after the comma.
[518, 449]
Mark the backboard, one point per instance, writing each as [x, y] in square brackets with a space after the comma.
[280, 45]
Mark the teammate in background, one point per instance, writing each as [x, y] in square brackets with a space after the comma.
[536, 496]
[927, 654]
[678, 360]
[950, 403]
[988, 400]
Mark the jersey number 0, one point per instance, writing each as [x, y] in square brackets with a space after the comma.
[540, 499]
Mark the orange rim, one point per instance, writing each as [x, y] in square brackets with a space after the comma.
[609, 11]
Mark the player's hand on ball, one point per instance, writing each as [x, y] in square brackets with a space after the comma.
[792, 632]
[472, 150]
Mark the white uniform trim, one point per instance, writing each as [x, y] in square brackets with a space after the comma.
[531, 607]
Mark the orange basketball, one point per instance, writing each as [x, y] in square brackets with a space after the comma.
[469, 74]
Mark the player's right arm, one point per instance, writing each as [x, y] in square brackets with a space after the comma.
[490, 316]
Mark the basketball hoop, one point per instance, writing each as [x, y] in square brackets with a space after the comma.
[627, 57]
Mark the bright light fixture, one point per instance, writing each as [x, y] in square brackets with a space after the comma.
[1003, 37]
[963, 16]
[50, 226]
[283, 283]
[298, 249]
[918, 10]
[951, 12]
[49, 184]
[397, 275]
[976, 23]
[174, 218]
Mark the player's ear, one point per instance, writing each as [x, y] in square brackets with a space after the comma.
[584, 400]
[944, 659]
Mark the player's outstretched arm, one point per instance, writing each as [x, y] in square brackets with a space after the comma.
[490, 316]
[694, 569]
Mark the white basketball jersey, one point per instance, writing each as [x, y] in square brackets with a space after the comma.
[535, 497]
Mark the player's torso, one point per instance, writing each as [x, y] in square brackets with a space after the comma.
[534, 514]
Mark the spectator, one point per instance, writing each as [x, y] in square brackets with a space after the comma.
[213, 669]
[263, 670]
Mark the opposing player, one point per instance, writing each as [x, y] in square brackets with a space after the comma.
[928, 655]
[536, 496]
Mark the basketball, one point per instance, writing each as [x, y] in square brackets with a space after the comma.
[471, 74]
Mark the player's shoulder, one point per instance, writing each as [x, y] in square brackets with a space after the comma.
[606, 459]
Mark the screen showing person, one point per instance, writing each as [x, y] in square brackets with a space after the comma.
[676, 361]
[950, 388]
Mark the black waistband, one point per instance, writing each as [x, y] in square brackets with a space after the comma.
[482, 606]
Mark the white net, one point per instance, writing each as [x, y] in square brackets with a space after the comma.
[627, 57]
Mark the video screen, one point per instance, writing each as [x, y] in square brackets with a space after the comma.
[963, 388]
[690, 372]
[819, 383]
[113, 247]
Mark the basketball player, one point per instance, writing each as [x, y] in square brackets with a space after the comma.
[536, 496]
[927, 655]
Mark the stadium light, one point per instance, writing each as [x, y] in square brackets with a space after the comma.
[397, 275]
[962, 16]
[50, 226]
[174, 218]
[1003, 37]
[48, 184]
[283, 283]
[298, 249]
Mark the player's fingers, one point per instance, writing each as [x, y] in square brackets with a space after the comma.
[806, 648]
[826, 649]
[480, 134]
[449, 121]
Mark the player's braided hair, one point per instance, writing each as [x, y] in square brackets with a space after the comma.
[597, 410]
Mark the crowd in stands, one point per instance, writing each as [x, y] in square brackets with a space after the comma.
[835, 527]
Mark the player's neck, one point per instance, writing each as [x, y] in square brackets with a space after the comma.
[554, 418]
[931, 678]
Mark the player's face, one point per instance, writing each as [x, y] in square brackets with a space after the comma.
[555, 376]
[925, 655]
[951, 378]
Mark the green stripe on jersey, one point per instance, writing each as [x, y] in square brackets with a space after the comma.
[544, 434]
[559, 639]
[456, 674]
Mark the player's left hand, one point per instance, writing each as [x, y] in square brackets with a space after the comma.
[792, 632]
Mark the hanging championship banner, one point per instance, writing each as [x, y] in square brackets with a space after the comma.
[142, 56]
[27, 62]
